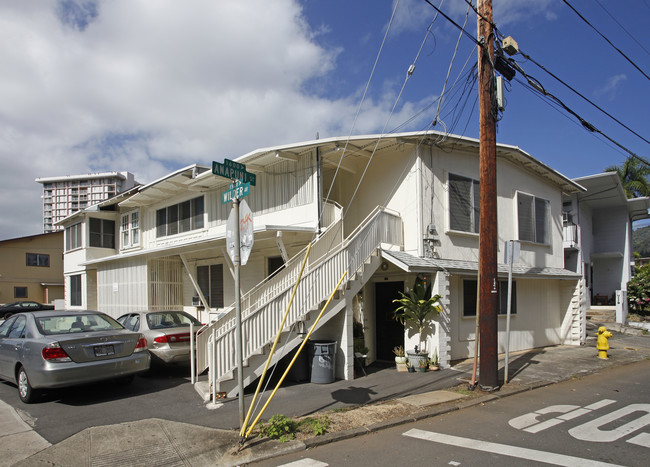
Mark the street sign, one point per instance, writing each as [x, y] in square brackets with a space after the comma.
[246, 239]
[512, 251]
[234, 171]
[236, 190]
[245, 231]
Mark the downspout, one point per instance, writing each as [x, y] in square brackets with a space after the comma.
[319, 188]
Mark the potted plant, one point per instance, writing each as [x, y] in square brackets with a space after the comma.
[400, 358]
[424, 365]
[409, 367]
[416, 309]
[434, 365]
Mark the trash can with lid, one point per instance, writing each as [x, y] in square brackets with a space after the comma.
[322, 355]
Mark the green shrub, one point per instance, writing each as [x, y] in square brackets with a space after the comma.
[638, 291]
[280, 427]
[317, 426]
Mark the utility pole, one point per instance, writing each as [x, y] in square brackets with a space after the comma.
[488, 284]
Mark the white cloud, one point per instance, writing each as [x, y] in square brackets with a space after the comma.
[150, 86]
[610, 87]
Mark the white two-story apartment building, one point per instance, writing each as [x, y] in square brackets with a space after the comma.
[598, 238]
[383, 209]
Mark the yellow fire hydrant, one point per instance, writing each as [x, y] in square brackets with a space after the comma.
[603, 342]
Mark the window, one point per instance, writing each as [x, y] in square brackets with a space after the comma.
[18, 329]
[38, 259]
[130, 229]
[179, 218]
[464, 204]
[533, 216]
[102, 233]
[20, 292]
[75, 290]
[73, 237]
[210, 280]
[470, 297]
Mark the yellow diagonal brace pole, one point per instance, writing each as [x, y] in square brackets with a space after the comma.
[296, 355]
[275, 343]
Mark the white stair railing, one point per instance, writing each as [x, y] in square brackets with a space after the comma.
[265, 305]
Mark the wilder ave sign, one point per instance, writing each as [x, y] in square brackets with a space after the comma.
[236, 190]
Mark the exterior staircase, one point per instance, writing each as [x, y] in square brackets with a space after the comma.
[263, 307]
[602, 314]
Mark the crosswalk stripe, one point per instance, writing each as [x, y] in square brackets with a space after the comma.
[305, 463]
[506, 450]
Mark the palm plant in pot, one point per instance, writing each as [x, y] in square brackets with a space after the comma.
[416, 308]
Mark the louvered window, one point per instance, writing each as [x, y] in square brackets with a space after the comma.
[533, 216]
[210, 279]
[464, 204]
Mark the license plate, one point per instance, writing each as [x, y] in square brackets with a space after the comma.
[104, 350]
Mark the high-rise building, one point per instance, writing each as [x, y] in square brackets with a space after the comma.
[65, 195]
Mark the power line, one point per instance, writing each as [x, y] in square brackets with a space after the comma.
[608, 41]
[528, 57]
[534, 83]
[622, 27]
[472, 38]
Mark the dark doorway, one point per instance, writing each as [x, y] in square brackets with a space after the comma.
[389, 332]
[274, 264]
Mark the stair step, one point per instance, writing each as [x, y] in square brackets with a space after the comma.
[601, 315]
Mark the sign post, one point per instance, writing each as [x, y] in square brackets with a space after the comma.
[240, 187]
[512, 252]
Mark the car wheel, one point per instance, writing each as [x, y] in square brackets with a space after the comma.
[26, 393]
[7, 316]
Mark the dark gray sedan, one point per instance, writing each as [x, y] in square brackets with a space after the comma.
[51, 349]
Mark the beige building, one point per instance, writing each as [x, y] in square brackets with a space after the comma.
[31, 268]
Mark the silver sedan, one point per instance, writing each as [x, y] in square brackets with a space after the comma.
[51, 349]
[167, 333]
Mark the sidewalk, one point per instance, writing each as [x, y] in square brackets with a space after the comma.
[155, 441]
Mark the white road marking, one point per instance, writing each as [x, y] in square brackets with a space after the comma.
[528, 422]
[305, 463]
[591, 431]
[504, 449]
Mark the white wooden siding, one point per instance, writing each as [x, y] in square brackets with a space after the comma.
[122, 287]
[542, 305]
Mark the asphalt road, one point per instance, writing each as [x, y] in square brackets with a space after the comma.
[602, 419]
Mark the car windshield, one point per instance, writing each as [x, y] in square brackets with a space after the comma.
[170, 319]
[66, 324]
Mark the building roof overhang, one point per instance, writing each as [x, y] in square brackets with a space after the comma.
[261, 232]
[413, 264]
[363, 146]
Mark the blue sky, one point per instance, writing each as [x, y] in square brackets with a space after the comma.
[148, 87]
